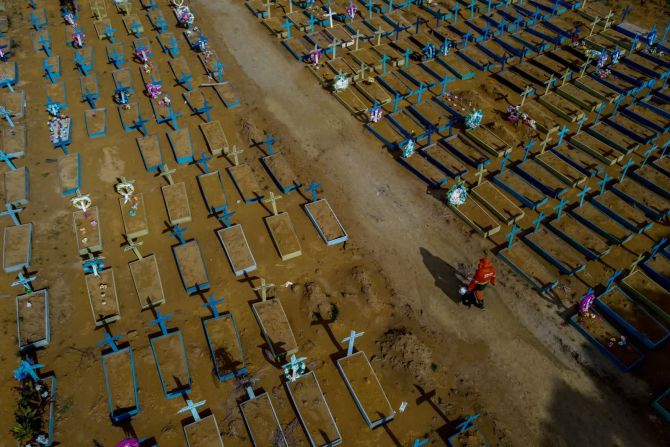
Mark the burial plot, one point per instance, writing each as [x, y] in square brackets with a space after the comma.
[527, 264]
[488, 140]
[465, 149]
[653, 204]
[581, 98]
[275, 327]
[14, 103]
[596, 147]
[520, 189]
[545, 122]
[644, 289]
[198, 103]
[168, 44]
[17, 247]
[227, 94]
[283, 235]
[313, 412]
[364, 386]
[281, 173]
[9, 74]
[497, 203]
[69, 173]
[223, 340]
[182, 146]
[87, 230]
[592, 217]
[585, 240]
[653, 179]
[215, 137]
[147, 281]
[468, 434]
[14, 140]
[102, 297]
[32, 319]
[212, 190]
[596, 89]
[635, 130]
[169, 353]
[133, 25]
[134, 216]
[353, 101]
[662, 404]
[96, 122]
[599, 332]
[561, 255]
[130, 115]
[157, 20]
[237, 249]
[176, 202]
[261, 420]
[647, 117]
[611, 136]
[618, 209]
[561, 106]
[535, 174]
[150, 151]
[16, 187]
[118, 366]
[245, 182]
[212, 64]
[476, 216]
[181, 72]
[565, 172]
[658, 268]
[579, 159]
[89, 89]
[374, 92]
[448, 163]
[637, 321]
[191, 266]
[326, 222]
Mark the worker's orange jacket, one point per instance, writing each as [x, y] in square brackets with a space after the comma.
[484, 275]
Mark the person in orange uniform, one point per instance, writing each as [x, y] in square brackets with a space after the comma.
[484, 275]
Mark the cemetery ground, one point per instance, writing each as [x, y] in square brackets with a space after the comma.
[534, 380]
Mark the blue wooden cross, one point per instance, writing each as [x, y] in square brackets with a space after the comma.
[407, 54]
[369, 4]
[203, 161]
[554, 9]
[149, 5]
[419, 92]
[193, 408]
[527, 148]
[314, 189]
[472, 6]
[32, 4]
[7, 158]
[561, 134]
[37, 22]
[559, 207]
[417, 25]
[109, 32]
[665, 33]
[49, 71]
[269, 142]
[512, 234]
[438, 18]
[502, 26]
[6, 114]
[582, 194]
[172, 46]
[396, 100]
[384, 58]
[139, 124]
[27, 369]
[611, 279]
[625, 12]
[536, 15]
[80, 62]
[185, 80]
[312, 20]
[160, 322]
[217, 70]
[116, 58]
[353, 335]
[537, 222]
[136, 28]
[633, 44]
[212, 303]
[625, 167]
[599, 110]
[457, 7]
[225, 215]
[12, 213]
[519, 22]
[486, 29]
[580, 123]
[177, 232]
[93, 265]
[205, 110]
[504, 161]
[657, 247]
[648, 153]
[467, 423]
[90, 98]
[603, 183]
[420, 442]
[466, 39]
[161, 24]
[45, 43]
[24, 282]
[664, 148]
[617, 103]
[445, 80]
[172, 117]
[287, 25]
[111, 341]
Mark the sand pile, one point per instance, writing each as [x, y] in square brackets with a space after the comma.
[403, 350]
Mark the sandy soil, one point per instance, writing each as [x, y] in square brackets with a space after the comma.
[534, 381]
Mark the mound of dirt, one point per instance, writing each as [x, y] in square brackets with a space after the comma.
[318, 304]
[404, 351]
[362, 277]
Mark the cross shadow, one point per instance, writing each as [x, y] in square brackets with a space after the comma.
[393, 437]
[446, 277]
[326, 325]
[428, 397]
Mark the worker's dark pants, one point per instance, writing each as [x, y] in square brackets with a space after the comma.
[470, 298]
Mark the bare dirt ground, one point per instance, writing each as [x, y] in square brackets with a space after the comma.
[534, 381]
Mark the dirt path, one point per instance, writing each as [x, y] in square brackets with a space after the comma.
[511, 352]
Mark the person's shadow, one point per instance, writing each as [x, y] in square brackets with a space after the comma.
[446, 277]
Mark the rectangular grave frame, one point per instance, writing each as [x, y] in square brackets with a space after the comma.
[196, 287]
[461, 212]
[185, 389]
[549, 257]
[138, 285]
[175, 220]
[294, 402]
[344, 236]
[104, 319]
[507, 219]
[281, 173]
[241, 371]
[72, 190]
[28, 346]
[238, 270]
[141, 212]
[95, 248]
[665, 412]
[189, 158]
[277, 355]
[540, 288]
[23, 138]
[209, 201]
[368, 420]
[639, 295]
[149, 150]
[216, 127]
[9, 177]
[90, 114]
[24, 263]
[248, 418]
[283, 216]
[586, 251]
[128, 413]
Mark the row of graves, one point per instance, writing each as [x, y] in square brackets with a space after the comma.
[589, 184]
[127, 33]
